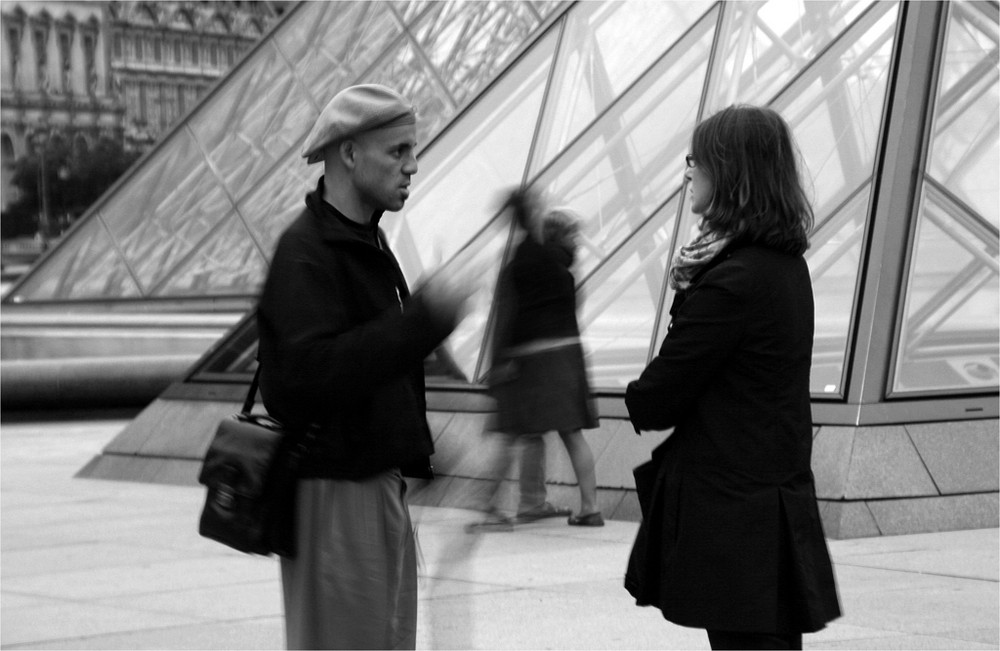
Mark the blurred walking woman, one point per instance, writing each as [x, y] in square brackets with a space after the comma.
[731, 539]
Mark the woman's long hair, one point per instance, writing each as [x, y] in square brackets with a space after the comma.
[748, 153]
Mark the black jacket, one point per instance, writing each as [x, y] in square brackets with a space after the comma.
[731, 537]
[342, 344]
[544, 291]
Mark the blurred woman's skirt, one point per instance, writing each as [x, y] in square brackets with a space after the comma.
[353, 583]
[541, 387]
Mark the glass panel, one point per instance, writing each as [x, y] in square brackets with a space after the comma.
[410, 9]
[265, 114]
[90, 268]
[331, 44]
[628, 163]
[834, 258]
[481, 155]
[227, 263]
[966, 157]
[470, 165]
[236, 354]
[950, 336]
[950, 331]
[619, 303]
[471, 41]
[605, 46]
[251, 126]
[481, 260]
[835, 108]
[765, 44]
[175, 200]
[405, 71]
[271, 205]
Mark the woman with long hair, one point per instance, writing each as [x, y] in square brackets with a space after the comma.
[731, 539]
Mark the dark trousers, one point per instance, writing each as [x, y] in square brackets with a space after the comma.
[731, 640]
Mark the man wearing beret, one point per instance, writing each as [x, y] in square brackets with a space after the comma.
[342, 344]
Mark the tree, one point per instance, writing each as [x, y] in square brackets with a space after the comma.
[75, 179]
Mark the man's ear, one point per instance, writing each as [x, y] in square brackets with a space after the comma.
[347, 150]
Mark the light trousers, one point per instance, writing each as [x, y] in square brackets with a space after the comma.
[353, 583]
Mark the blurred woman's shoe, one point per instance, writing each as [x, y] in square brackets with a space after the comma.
[588, 520]
[546, 510]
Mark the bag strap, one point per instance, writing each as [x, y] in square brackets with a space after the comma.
[252, 393]
[306, 437]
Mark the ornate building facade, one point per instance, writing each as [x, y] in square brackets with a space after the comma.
[56, 78]
[82, 71]
[165, 55]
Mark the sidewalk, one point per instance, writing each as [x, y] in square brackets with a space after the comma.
[89, 564]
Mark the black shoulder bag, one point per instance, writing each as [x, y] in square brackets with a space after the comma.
[251, 472]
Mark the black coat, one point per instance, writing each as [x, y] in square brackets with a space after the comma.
[543, 293]
[342, 344]
[731, 537]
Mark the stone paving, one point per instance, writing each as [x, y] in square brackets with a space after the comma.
[92, 564]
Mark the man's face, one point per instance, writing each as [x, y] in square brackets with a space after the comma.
[384, 162]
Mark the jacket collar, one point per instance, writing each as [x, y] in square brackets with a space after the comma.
[335, 226]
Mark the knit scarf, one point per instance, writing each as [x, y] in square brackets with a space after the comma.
[695, 255]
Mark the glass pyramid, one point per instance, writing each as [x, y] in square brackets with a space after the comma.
[197, 217]
[597, 111]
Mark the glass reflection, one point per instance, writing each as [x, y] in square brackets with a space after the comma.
[766, 44]
[966, 157]
[605, 46]
[227, 263]
[466, 47]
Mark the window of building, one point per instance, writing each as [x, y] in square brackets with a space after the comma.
[168, 98]
[153, 109]
[143, 101]
[190, 96]
[41, 59]
[177, 52]
[138, 48]
[213, 54]
[14, 54]
[90, 62]
[65, 61]
[133, 100]
[194, 53]
[116, 44]
[157, 50]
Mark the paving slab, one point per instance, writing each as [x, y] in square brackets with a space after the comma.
[94, 564]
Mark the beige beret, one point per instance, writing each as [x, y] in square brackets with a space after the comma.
[353, 111]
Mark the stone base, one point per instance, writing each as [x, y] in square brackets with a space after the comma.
[870, 481]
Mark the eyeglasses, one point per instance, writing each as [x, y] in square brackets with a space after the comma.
[689, 159]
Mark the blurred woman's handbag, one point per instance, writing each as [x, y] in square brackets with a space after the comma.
[251, 472]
